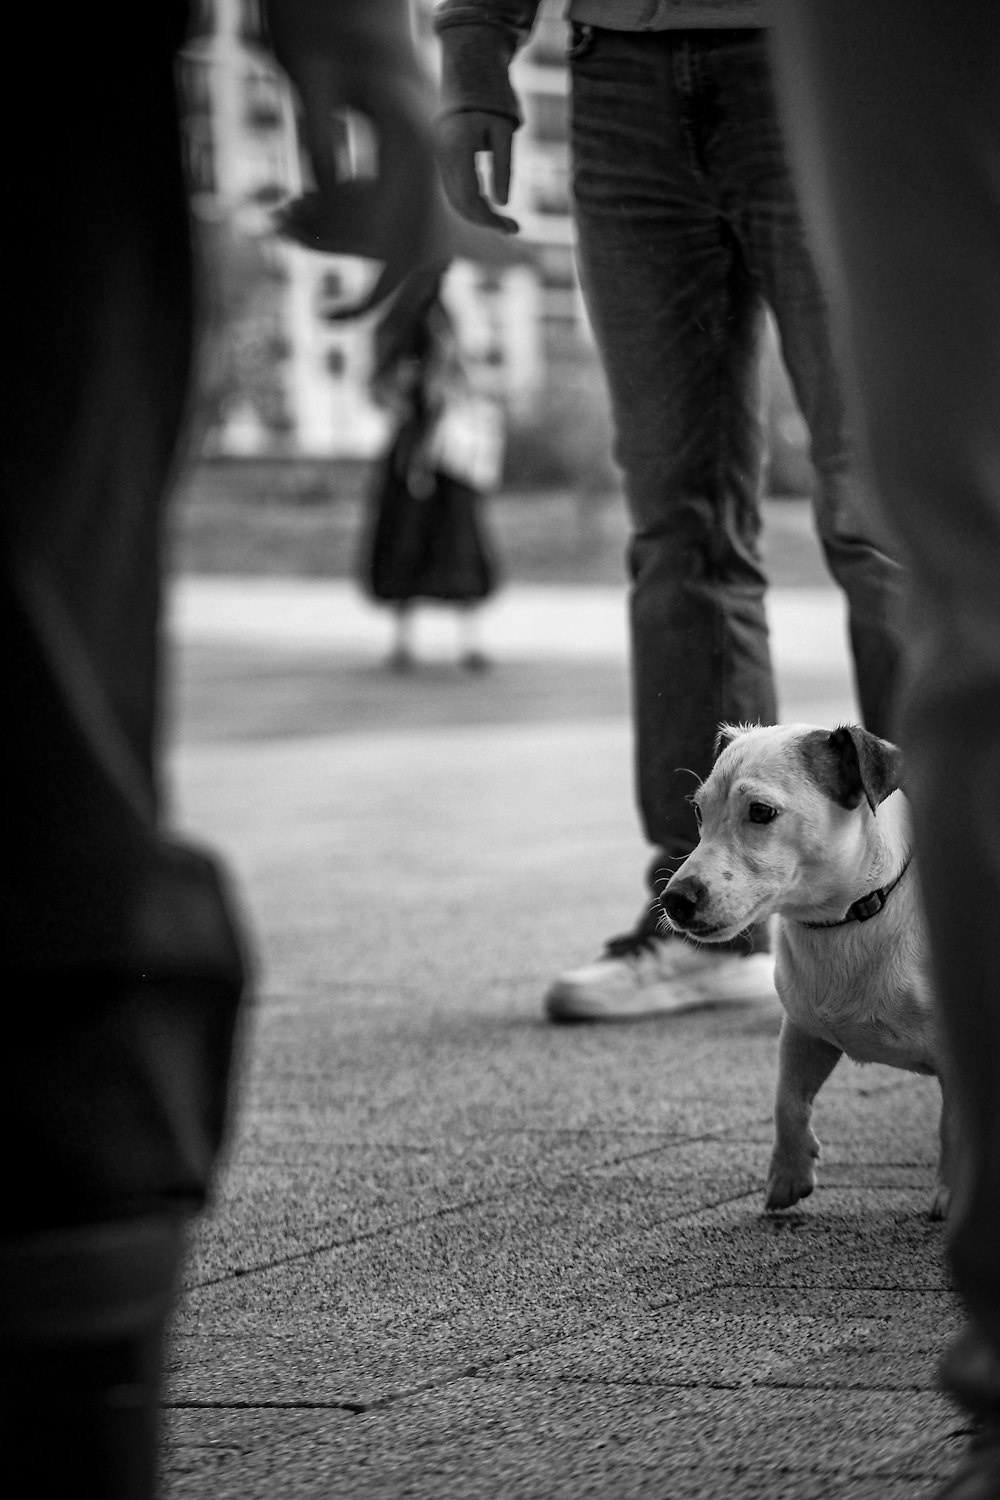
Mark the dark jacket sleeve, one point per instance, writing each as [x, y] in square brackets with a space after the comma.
[478, 41]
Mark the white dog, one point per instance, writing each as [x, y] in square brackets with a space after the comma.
[810, 825]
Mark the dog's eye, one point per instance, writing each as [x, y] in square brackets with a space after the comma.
[762, 812]
[697, 813]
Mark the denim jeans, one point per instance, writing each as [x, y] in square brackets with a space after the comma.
[687, 227]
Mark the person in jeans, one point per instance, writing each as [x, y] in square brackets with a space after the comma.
[687, 228]
[898, 115]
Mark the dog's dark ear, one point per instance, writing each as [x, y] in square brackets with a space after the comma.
[852, 765]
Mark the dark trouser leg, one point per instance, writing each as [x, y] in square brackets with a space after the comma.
[750, 166]
[858, 553]
[859, 556]
[907, 194]
[121, 965]
[83, 1313]
[677, 320]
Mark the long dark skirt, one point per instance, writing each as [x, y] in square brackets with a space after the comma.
[425, 546]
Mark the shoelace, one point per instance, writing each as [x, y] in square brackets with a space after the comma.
[632, 944]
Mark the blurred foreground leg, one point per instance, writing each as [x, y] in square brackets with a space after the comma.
[120, 962]
[896, 112]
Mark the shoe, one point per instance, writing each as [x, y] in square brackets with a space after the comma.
[401, 659]
[978, 1475]
[643, 974]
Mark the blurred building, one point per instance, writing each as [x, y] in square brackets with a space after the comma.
[286, 379]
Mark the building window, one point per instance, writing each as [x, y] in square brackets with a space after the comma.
[547, 115]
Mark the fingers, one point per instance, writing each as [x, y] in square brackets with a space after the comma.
[501, 144]
[395, 217]
[460, 138]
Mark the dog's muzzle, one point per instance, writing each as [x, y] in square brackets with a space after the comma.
[683, 900]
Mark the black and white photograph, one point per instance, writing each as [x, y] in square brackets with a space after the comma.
[501, 561]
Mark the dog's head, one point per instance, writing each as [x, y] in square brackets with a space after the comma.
[786, 820]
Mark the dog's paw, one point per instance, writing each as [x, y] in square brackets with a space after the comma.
[789, 1179]
[940, 1200]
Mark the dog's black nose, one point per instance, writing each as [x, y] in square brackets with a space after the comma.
[680, 901]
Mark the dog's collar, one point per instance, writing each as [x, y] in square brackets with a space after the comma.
[868, 906]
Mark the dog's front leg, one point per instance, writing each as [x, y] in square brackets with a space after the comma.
[946, 1160]
[805, 1062]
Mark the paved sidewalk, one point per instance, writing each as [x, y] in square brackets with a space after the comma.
[521, 622]
[457, 1252]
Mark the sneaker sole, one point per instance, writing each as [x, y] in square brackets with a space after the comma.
[563, 1004]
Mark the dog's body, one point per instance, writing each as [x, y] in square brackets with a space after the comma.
[811, 826]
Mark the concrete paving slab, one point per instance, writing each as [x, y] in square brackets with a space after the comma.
[880, 1339]
[360, 1194]
[483, 1439]
[849, 1340]
[493, 1279]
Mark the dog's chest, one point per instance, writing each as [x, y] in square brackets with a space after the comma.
[873, 1010]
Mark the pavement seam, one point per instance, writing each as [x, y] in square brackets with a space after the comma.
[789, 1224]
[240, 1272]
[477, 1373]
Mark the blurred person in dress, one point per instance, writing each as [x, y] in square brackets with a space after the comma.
[425, 537]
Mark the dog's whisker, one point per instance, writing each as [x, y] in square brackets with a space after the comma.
[687, 771]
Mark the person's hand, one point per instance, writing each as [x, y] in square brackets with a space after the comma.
[460, 138]
[358, 56]
[390, 212]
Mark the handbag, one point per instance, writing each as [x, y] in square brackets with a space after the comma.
[466, 441]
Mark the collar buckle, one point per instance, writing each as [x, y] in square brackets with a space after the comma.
[868, 906]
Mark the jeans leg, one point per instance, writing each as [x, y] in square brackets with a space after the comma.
[908, 198]
[677, 321]
[751, 165]
[858, 553]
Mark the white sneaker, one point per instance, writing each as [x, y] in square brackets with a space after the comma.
[643, 974]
